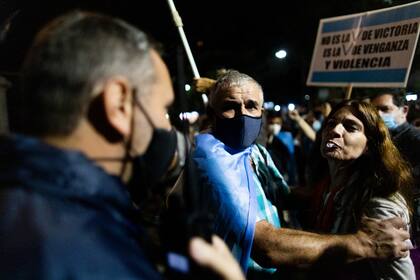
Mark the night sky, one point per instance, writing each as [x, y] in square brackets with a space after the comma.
[243, 35]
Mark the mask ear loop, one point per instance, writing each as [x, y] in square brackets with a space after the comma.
[138, 103]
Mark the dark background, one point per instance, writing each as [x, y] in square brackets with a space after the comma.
[243, 35]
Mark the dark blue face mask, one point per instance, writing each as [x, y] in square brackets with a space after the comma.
[150, 168]
[239, 132]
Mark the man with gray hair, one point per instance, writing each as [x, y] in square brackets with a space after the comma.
[241, 184]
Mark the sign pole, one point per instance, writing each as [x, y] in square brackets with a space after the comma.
[179, 25]
[178, 22]
[349, 89]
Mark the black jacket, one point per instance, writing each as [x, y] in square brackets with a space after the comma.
[407, 139]
[62, 217]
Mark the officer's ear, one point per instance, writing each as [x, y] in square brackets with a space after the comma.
[404, 110]
[118, 107]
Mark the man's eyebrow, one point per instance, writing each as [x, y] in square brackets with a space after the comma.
[252, 102]
[230, 101]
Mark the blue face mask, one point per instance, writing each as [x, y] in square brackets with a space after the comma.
[389, 121]
[316, 125]
[237, 133]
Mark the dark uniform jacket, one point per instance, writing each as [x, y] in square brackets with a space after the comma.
[407, 139]
[62, 217]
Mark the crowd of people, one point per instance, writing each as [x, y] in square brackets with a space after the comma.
[96, 143]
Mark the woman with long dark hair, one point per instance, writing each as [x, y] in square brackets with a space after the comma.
[367, 177]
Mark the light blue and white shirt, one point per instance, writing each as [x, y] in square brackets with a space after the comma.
[233, 193]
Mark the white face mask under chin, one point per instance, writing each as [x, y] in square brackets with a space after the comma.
[274, 128]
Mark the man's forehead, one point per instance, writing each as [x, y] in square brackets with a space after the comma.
[246, 91]
[383, 98]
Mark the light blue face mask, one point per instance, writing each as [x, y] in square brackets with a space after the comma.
[389, 121]
[316, 125]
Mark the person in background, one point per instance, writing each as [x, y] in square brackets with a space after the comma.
[303, 125]
[316, 116]
[94, 104]
[280, 144]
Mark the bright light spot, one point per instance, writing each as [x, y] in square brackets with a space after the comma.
[291, 107]
[191, 117]
[205, 99]
[187, 87]
[268, 105]
[277, 108]
[167, 116]
[281, 54]
[411, 97]
[307, 97]
[184, 115]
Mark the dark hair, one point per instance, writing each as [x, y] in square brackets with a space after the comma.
[68, 58]
[382, 168]
[398, 96]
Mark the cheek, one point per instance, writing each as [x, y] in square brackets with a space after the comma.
[358, 147]
[141, 137]
[159, 116]
[254, 113]
[228, 114]
[162, 120]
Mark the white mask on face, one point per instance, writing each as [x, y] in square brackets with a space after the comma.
[274, 128]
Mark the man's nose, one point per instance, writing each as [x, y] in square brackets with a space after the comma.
[239, 112]
[242, 111]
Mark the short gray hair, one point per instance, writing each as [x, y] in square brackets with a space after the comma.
[68, 58]
[231, 78]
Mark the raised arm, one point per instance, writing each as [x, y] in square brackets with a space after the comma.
[304, 126]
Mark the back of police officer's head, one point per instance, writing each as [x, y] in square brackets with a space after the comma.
[69, 63]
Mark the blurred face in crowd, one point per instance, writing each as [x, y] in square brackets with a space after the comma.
[236, 101]
[343, 137]
[274, 125]
[388, 110]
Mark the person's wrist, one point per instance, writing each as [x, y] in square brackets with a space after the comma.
[299, 119]
[364, 247]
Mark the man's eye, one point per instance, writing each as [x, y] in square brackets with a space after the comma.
[227, 108]
[384, 109]
[251, 105]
